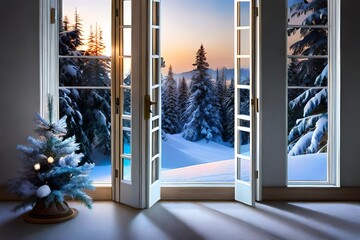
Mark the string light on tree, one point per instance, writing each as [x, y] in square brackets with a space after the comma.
[50, 159]
[37, 166]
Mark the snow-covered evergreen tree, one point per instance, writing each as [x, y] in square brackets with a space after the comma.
[96, 71]
[170, 112]
[50, 166]
[183, 98]
[78, 28]
[220, 84]
[88, 110]
[230, 115]
[204, 120]
[309, 135]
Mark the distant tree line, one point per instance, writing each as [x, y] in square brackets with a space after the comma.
[203, 109]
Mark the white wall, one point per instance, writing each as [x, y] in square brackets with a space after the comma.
[273, 93]
[19, 79]
[19, 98]
[350, 94]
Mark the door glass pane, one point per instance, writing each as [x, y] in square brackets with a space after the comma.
[127, 13]
[126, 142]
[244, 123]
[127, 71]
[155, 170]
[155, 123]
[155, 13]
[155, 71]
[244, 17]
[155, 143]
[243, 172]
[244, 143]
[126, 169]
[126, 33]
[127, 101]
[126, 123]
[155, 108]
[244, 103]
[155, 46]
[244, 43]
[243, 71]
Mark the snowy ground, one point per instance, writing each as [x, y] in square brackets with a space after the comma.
[178, 152]
[184, 161]
[101, 173]
[310, 167]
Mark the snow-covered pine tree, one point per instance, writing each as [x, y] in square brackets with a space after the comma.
[220, 87]
[70, 74]
[88, 110]
[170, 112]
[96, 70]
[204, 120]
[78, 28]
[183, 97]
[50, 166]
[230, 116]
[65, 23]
[309, 135]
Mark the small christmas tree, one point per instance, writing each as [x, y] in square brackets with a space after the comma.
[51, 171]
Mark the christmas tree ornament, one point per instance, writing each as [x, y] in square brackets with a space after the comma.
[37, 166]
[50, 159]
[45, 191]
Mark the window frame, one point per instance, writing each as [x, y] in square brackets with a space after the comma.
[49, 64]
[49, 83]
[333, 86]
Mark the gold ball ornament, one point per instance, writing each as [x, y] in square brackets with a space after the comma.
[37, 166]
[50, 159]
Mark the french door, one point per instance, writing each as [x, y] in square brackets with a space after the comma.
[137, 94]
[245, 102]
[137, 130]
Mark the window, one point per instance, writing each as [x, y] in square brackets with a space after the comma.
[80, 47]
[84, 87]
[312, 101]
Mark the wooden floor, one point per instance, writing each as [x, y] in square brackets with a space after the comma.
[194, 220]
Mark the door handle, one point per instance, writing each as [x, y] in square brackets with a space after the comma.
[147, 106]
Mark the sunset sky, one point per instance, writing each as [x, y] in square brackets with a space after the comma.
[91, 12]
[186, 24]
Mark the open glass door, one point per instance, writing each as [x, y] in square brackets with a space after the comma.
[245, 103]
[153, 105]
[137, 130]
[127, 124]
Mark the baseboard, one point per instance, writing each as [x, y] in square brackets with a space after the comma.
[101, 193]
[197, 193]
[310, 194]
